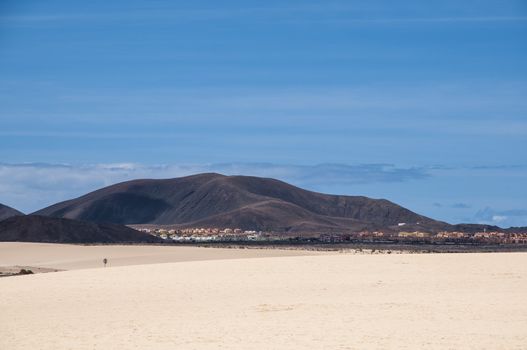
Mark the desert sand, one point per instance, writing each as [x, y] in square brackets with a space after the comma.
[73, 257]
[340, 301]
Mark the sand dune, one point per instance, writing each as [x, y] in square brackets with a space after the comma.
[436, 301]
[72, 257]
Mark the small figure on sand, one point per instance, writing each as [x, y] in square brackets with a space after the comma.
[104, 261]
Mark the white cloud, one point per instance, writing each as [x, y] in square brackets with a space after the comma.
[499, 218]
[503, 218]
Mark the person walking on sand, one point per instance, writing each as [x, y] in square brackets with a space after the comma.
[104, 261]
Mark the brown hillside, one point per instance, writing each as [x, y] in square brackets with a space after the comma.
[234, 201]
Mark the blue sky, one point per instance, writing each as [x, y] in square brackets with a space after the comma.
[420, 102]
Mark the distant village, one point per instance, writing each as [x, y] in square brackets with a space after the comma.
[238, 235]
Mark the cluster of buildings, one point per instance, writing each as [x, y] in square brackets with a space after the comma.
[488, 237]
[205, 234]
[500, 237]
[451, 235]
[445, 236]
[415, 234]
[368, 234]
[236, 234]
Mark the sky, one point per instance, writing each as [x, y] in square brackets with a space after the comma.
[420, 102]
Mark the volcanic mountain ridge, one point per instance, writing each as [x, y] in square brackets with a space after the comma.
[246, 202]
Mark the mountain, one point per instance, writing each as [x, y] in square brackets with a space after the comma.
[7, 212]
[246, 202]
[34, 228]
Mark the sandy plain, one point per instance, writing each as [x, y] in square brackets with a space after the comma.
[328, 301]
[73, 257]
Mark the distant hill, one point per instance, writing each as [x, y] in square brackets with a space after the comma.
[473, 228]
[34, 228]
[246, 202]
[7, 212]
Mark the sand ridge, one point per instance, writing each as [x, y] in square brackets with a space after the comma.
[73, 257]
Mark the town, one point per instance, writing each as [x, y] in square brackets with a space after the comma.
[197, 235]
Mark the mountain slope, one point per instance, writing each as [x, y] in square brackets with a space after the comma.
[34, 228]
[7, 212]
[233, 201]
